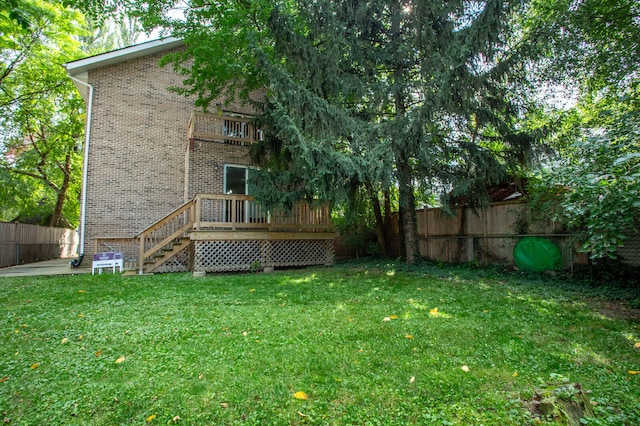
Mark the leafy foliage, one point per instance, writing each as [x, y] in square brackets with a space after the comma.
[40, 116]
[595, 43]
[594, 186]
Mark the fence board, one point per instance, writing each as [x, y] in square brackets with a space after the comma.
[486, 236]
[22, 243]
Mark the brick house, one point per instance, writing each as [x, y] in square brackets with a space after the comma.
[165, 183]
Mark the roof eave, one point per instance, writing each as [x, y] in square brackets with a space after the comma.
[83, 66]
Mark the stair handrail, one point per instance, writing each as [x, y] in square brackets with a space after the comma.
[164, 218]
[142, 236]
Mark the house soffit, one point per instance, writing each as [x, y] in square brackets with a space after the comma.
[83, 66]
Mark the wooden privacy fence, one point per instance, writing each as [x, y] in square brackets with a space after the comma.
[486, 235]
[21, 243]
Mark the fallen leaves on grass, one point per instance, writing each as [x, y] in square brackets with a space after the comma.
[300, 395]
[121, 360]
[433, 312]
[34, 366]
[634, 372]
[65, 340]
[465, 368]
[408, 336]
[412, 379]
[224, 405]
[150, 418]
[637, 345]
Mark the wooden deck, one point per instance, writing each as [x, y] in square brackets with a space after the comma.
[218, 232]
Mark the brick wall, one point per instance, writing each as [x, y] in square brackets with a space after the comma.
[206, 165]
[140, 165]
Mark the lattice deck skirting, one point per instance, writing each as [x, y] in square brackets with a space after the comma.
[245, 255]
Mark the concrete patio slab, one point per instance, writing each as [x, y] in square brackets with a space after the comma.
[45, 268]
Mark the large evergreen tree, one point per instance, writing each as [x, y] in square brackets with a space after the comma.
[362, 94]
[417, 88]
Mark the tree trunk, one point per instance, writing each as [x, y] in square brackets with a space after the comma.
[388, 223]
[381, 232]
[387, 209]
[56, 217]
[408, 212]
[400, 148]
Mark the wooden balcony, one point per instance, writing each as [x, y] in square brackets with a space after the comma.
[218, 232]
[234, 129]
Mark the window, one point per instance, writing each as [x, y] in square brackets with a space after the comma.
[235, 180]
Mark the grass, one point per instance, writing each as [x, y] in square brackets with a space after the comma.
[367, 344]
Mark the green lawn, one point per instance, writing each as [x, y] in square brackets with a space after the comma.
[366, 343]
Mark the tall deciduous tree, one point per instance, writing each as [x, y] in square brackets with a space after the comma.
[593, 45]
[40, 114]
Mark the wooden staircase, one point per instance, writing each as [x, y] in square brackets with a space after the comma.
[166, 239]
[167, 253]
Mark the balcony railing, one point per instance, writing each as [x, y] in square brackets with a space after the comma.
[242, 212]
[230, 129]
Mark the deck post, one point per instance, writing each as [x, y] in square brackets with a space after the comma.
[141, 258]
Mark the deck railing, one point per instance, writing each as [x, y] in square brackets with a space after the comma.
[165, 232]
[243, 212]
[230, 129]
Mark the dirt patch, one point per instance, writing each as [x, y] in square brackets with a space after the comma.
[616, 309]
